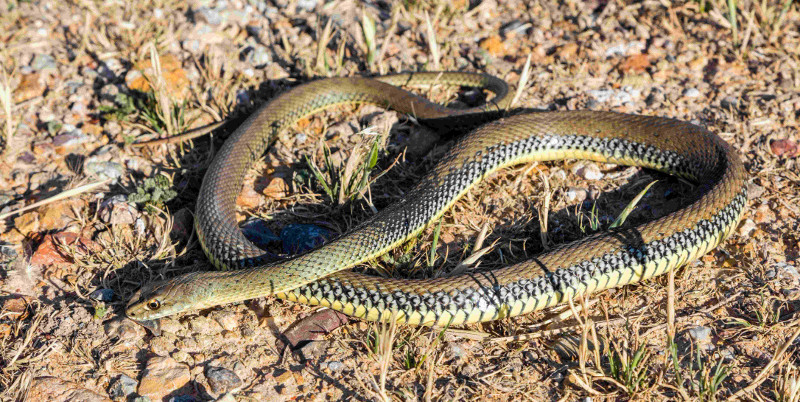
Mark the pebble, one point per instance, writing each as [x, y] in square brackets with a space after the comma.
[54, 389]
[576, 194]
[142, 399]
[5, 198]
[587, 171]
[784, 270]
[124, 330]
[514, 27]
[205, 325]
[256, 231]
[70, 139]
[122, 387]
[299, 238]
[43, 62]
[624, 49]
[242, 97]
[117, 211]
[226, 319]
[306, 5]
[335, 365]
[222, 380]
[747, 227]
[208, 15]
[162, 376]
[257, 55]
[182, 224]
[103, 170]
[729, 103]
[691, 93]
[103, 295]
[700, 334]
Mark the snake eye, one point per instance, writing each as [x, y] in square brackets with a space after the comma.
[153, 304]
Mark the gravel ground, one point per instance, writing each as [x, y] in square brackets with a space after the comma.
[81, 83]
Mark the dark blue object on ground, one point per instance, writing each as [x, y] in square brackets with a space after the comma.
[257, 232]
[298, 237]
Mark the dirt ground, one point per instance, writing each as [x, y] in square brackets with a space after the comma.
[83, 82]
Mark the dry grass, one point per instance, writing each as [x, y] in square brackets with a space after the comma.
[625, 344]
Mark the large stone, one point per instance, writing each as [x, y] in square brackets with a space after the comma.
[52, 389]
[162, 376]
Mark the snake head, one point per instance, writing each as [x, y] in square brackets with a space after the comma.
[162, 298]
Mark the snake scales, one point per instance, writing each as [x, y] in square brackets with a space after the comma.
[605, 260]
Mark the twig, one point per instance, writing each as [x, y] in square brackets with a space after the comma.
[57, 197]
[762, 376]
[183, 137]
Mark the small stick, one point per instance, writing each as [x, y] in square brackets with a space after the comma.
[57, 197]
[183, 137]
[762, 376]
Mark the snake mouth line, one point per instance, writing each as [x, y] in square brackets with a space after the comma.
[606, 260]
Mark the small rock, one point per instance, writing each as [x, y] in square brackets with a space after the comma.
[747, 227]
[335, 365]
[256, 231]
[625, 49]
[70, 139]
[49, 252]
[122, 387]
[248, 198]
[787, 271]
[754, 191]
[342, 130]
[257, 55]
[700, 334]
[222, 380]
[587, 171]
[576, 194]
[29, 87]
[16, 308]
[226, 319]
[27, 223]
[162, 376]
[601, 95]
[182, 224]
[117, 211]
[784, 148]
[124, 330]
[729, 103]
[104, 170]
[5, 198]
[515, 27]
[204, 325]
[495, 46]
[54, 389]
[208, 15]
[276, 188]
[276, 72]
[306, 5]
[43, 62]
[691, 93]
[299, 238]
[103, 295]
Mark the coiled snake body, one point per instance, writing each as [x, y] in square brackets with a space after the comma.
[605, 260]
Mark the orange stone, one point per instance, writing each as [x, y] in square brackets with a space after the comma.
[493, 45]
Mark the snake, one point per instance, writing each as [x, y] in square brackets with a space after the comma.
[607, 259]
